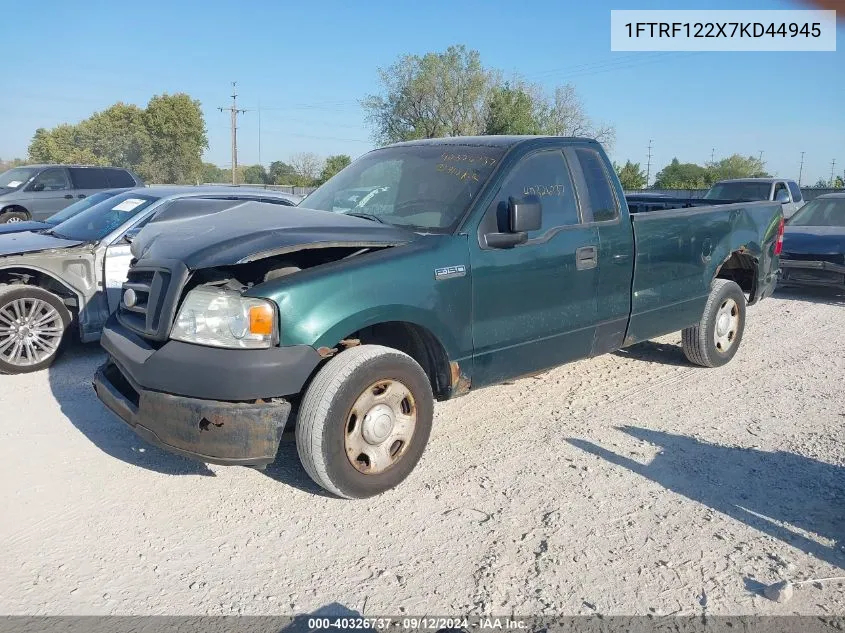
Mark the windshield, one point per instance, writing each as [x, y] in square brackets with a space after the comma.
[78, 207]
[749, 191]
[422, 187]
[16, 177]
[94, 223]
[820, 212]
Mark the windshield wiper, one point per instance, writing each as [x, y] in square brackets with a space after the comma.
[367, 216]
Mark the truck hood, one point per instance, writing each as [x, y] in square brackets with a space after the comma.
[20, 227]
[252, 230]
[814, 240]
[32, 242]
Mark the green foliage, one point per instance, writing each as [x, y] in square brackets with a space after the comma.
[452, 94]
[838, 183]
[255, 175]
[280, 173]
[631, 176]
[210, 172]
[306, 167]
[736, 166]
[333, 165]
[163, 142]
[6, 165]
[677, 175]
[511, 110]
[438, 94]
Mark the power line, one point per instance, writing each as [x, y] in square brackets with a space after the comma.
[801, 169]
[234, 111]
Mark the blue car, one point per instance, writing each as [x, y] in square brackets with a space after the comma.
[814, 244]
[57, 218]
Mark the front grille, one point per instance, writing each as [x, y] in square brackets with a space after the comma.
[156, 292]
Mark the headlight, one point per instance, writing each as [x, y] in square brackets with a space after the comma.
[222, 318]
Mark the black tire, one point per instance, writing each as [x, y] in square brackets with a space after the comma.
[325, 419]
[700, 341]
[23, 292]
[13, 216]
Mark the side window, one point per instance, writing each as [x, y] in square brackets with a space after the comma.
[545, 175]
[778, 188]
[599, 190]
[119, 178]
[88, 178]
[53, 179]
[796, 191]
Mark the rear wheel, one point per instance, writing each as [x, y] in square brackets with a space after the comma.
[715, 339]
[33, 324]
[364, 421]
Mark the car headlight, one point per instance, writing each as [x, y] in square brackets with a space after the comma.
[222, 318]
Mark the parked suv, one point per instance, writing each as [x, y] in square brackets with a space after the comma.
[35, 192]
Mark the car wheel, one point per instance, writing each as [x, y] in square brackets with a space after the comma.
[33, 326]
[364, 421]
[715, 339]
[13, 216]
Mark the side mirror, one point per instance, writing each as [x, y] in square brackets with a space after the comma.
[38, 186]
[782, 197]
[130, 235]
[524, 215]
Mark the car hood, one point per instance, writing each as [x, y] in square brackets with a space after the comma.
[249, 231]
[816, 240]
[20, 227]
[32, 242]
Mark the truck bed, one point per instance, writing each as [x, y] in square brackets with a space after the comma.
[678, 252]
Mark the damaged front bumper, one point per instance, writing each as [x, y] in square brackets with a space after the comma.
[228, 433]
[799, 272]
[220, 406]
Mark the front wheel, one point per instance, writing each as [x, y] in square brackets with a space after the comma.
[364, 421]
[715, 339]
[10, 217]
[33, 323]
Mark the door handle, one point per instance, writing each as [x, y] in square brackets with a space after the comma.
[586, 257]
[68, 196]
[621, 257]
[81, 195]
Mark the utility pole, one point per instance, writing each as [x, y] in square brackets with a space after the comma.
[233, 110]
[801, 169]
[712, 155]
[832, 167]
[648, 165]
[761, 157]
[259, 132]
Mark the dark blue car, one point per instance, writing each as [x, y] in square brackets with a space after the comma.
[66, 213]
[814, 244]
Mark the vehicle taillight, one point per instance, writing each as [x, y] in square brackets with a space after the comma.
[779, 241]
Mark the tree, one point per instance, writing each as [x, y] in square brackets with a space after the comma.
[280, 173]
[333, 165]
[511, 110]
[438, 94]
[838, 183]
[564, 115]
[255, 175]
[163, 142]
[677, 175]
[212, 173]
[177, 133]
[736, 166]
[631, 176]
[306, 169]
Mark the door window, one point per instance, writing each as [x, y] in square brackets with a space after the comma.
[53, 179]
[778, 188]
[88, 178]
[796, 192]
[602, 200]
[546, 176]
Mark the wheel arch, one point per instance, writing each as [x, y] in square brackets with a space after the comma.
[15, 207]
[33, 275]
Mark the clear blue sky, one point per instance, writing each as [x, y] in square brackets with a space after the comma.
[307, 70]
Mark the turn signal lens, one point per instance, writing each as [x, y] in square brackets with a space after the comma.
[261, 320]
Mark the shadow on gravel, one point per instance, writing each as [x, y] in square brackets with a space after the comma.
[781, 494]
[70, 381]
[651, 352]
[830, 296]
[288, 470]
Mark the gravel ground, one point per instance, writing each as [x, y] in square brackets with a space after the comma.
[628, 484]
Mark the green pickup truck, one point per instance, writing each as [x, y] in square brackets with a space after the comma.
[454, 264]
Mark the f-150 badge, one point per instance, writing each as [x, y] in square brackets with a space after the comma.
[449, 272]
